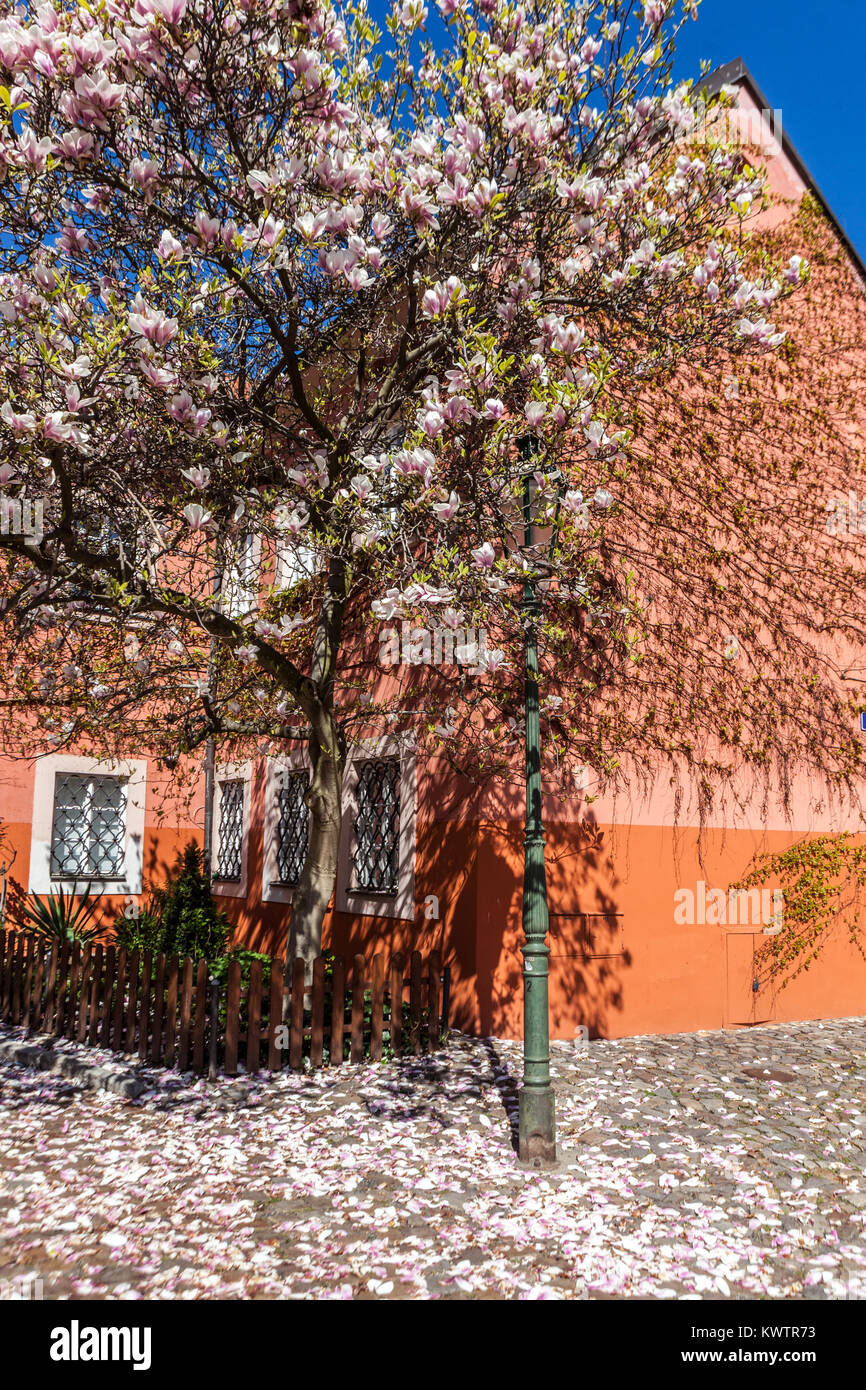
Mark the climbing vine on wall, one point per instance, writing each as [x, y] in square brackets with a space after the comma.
[821, 882]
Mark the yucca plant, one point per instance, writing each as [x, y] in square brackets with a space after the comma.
[61, 916]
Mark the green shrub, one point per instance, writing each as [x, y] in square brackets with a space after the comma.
[61, 916]
[142, 933]
[182, 918]
[220, 967]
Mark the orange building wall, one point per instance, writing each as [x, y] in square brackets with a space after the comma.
[619, 964]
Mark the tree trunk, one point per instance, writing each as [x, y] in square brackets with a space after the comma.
[313, 894]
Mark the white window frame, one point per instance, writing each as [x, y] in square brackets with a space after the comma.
[231, 772]
[132, 771]
[240, 583]
[294, 760]
[295, 561]
[358, 902]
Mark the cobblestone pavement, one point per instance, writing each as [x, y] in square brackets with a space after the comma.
[704, 1165]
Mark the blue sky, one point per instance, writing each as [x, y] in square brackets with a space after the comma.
[807, 57]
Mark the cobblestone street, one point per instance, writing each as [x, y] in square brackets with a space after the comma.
[708, 1165]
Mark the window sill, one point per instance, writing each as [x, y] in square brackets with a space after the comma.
[386, 894]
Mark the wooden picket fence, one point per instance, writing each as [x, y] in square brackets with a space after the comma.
[171, 1012]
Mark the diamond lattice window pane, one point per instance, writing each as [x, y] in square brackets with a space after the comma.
[293, 828]
[231, 831]
[89, 827]
[377, 827]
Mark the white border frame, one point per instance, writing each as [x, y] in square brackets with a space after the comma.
[359, 903]
[134, 772]
[294, 760]
[231, 772]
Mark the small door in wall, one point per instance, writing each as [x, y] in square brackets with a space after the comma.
[749, 998]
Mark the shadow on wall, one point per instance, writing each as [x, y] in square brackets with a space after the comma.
[445, 888]
[163, 849]
[588, 957]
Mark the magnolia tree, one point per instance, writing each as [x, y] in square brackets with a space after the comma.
[301, 317]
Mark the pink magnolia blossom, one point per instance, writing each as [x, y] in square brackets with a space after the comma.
[389, 606]
[446, 511]
[441, 297]
[172, 11]
[199, 477]
[259, 183]
[381, 226]
[169, 248]
[432, 423]
[362, 485]
[196, 516]
[57, 427]
[152, 323]
[23, 422]
[427, 593]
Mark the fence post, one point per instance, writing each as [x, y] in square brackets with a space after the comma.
[86, 967]
[200, 1017]
[275, 1016]
[214, 1028]
[338, 1011]
[356, 1053]
[17, 971]
[296, 1035]
[50, 987]
[434, 970]
[8, 959]
[28, 983]
[233, 1006]
[254, 1017]
[170, 1012]
[129, 1040]
[95, 993]
[415, 1002]
[144, 1007]
[62, 991]
[396, 992]
[108, 997]
[317, 1013]
[185, 1016]
[74, 986]
[377, 1007]
[158, 1010]
[119, 999]
[36, 1018]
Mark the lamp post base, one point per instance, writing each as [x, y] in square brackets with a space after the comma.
[536, 1135]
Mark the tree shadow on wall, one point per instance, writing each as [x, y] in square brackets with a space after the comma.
[589, 961]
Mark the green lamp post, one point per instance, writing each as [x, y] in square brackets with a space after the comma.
[537, 1113]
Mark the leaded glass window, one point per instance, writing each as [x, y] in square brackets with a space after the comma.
[88, 836]
[231, 832]
[377, 827]
[293, 827]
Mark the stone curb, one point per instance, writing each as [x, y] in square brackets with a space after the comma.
[34, 1057]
